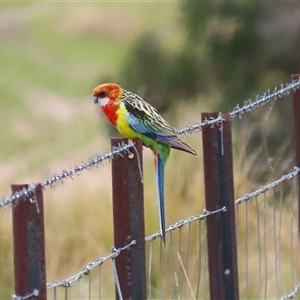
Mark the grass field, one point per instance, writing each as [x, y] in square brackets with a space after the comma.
[51, 57]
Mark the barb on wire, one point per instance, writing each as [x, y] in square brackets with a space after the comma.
[293, 294]
[68, 174]
[267, 187]
[249, 106]
[17, 195]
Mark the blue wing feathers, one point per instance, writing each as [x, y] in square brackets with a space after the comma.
[159, 131]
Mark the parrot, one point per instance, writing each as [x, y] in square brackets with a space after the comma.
[135, 118]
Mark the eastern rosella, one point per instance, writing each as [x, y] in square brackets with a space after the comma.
[134, 117]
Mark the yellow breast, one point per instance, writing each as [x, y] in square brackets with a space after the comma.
[123, 125]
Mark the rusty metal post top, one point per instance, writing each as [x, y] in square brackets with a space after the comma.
[18, 187]
[207, 115]
[116, 141]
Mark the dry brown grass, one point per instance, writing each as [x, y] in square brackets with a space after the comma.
[78, 219]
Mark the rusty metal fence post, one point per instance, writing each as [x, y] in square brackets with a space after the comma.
[128, 214]
[29, 244]
[219, 192]
[296, 113]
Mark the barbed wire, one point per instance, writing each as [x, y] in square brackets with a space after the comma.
[267, 187]
[293, 294]
[69, 174]
[248, 106]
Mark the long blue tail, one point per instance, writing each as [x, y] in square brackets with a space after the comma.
[160, 170]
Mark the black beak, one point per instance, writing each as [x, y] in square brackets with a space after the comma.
[95, 98]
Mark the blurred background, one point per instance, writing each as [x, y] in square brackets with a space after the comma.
[182, 57]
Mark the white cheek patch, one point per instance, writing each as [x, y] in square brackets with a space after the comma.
[104, 101]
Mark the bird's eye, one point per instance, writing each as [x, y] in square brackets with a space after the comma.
[102, 94]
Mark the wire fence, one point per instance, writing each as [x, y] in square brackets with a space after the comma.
[171, 262]
[267, 231]
[269, 216]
